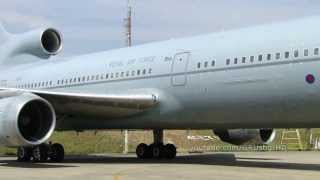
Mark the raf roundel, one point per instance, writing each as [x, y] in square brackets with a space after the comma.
[310, 78]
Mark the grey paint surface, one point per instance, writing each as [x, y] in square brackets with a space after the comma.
[266, 94]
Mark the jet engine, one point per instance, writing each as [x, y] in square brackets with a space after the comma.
[246, 136]
[42, 43]
[25, 120]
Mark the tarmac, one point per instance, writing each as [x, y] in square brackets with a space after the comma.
[222, 166]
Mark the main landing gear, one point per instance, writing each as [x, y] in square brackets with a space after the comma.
[157, 149]
[41, 153]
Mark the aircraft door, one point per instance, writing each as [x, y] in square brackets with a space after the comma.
[179, 68]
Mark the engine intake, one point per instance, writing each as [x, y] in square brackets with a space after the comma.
[51, 41]
[26, 120]
[244, 136]
[35, 120]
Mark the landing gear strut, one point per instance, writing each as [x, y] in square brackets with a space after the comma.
[41, 153]
[157, 149]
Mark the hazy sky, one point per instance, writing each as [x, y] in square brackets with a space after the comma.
[94, 25]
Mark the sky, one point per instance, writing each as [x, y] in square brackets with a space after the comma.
[97, 25]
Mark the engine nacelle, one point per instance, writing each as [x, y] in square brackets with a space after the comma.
[25, 120]
[243, 136]
[42, 43]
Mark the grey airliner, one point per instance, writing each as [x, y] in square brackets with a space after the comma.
[240, 83]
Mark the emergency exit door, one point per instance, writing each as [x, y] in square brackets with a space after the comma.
[179, 68]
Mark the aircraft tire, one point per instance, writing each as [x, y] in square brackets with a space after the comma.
[57, 153]
[24, 154]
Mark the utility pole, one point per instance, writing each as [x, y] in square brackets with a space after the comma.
[127, 25]
[309, 139]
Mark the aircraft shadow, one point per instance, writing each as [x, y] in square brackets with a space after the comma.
[220, 159]
[14, 163]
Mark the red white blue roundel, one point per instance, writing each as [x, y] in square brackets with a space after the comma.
[310, 78]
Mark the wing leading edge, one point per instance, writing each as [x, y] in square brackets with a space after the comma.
[92, 105]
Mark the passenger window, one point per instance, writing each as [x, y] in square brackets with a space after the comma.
[127, 73]
[92, 77]
[296, 53]
[150, 71]
[206, 64]
[235, 60]
[111, 75]
[306, 52]
[243, 59]
[251, 58]
[316, 51]
[260, 57]
[107, 75]
[268, 57]
[138, 72]
[277, 55]
[122, 74]
[144, 71]
[79, 79]
[132, 73]
[117, 75]
[213, 63]
[227, 61]
[199, 65]
[286, 55]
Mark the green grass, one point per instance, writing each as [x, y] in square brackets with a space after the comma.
[89, 142]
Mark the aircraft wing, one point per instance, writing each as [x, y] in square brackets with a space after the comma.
[82, 104]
